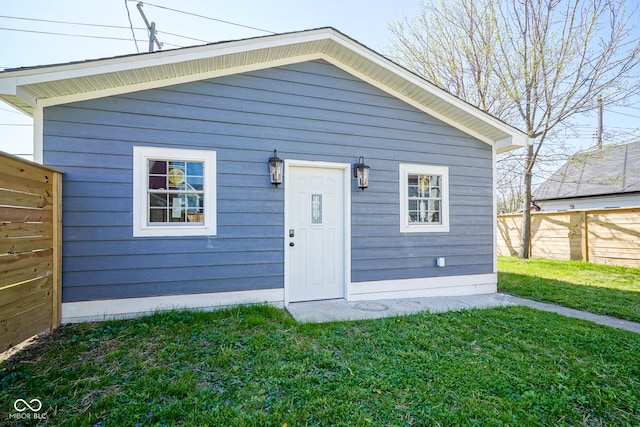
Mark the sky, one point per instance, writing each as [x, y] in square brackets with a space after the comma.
[29, 37]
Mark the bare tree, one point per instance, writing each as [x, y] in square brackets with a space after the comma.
[536, 63]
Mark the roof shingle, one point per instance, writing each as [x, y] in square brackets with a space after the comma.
[614, 169]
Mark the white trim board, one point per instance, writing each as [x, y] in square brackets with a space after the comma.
[125, 308]
[474, 284]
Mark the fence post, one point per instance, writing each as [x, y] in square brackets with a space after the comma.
[57, 251]
[585, 236]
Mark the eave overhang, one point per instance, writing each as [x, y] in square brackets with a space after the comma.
[30, 88]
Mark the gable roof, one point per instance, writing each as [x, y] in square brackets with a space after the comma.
[614, 169]
[36, 87]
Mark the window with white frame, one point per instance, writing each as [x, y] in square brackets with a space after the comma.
[174, 192]
[424, 198]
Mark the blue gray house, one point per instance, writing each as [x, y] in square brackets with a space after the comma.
[168, 198]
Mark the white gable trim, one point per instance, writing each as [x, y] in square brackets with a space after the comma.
[169, 57]
[42, 87]
[411, 102]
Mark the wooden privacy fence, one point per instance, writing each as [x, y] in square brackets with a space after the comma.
[602, 236]
[30, 249]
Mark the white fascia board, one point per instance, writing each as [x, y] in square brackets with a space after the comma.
[26, 96]
[513, 142]
[402, 97]
[8, 85]
[390, 66]
[104, 66]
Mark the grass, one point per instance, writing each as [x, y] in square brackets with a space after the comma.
[599, 289]
[255, 366]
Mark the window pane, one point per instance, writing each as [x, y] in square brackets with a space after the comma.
[157, 215]
[195, 168]
[158, 200]
[195, 183]
[157, 167]
[316, 209]
[176, 174]
[412, 185]
[157, 174]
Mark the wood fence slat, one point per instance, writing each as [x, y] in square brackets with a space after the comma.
[28, 244]
[27, 273]
[12, 230]
[22, 199]
[17, 328]
[13, 294]
[25, 215]
[18, 167]
[12, 261]
[25, 185]
[30, 316]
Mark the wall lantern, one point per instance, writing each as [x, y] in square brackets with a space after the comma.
[361, 172]
[275, 169]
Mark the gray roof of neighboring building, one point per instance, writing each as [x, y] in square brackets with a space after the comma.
[614, 169]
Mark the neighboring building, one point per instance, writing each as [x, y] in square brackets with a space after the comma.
[604, 178]
[167, 197]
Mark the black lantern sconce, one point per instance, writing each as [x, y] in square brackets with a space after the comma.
[275, 169]
[361, 173]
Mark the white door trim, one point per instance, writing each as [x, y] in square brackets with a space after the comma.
[346, 168]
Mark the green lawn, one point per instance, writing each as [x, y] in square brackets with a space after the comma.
[600, 289]
[255, 366]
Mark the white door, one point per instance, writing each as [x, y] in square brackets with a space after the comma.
[315, 233]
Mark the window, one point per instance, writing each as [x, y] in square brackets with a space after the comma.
[424, 198]
[174, 192]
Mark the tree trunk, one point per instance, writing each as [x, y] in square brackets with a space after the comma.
[525, 242]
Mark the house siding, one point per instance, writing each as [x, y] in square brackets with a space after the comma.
[309, 111]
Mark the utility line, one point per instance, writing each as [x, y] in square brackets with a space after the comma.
[67, 22]
[623, 114]
[75, 35]
[133, 34]
[184, 37]
[205, 17]
[119, 27]
[63, 34]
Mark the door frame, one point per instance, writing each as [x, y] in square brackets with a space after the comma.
[346, 171]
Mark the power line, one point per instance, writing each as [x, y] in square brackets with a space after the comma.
[133, 34]
[67, 22]
[623, 114]
[63, 34]
[184, 37]
[119, 27]
[75, 35]
[206, 17]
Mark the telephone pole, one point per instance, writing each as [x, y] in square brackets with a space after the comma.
[151, 27]
[599, 121]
